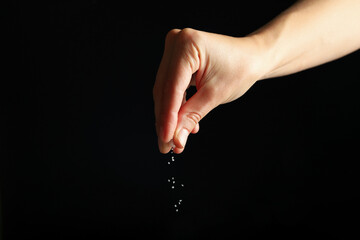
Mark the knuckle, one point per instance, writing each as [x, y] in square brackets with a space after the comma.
[193, 117]
[171, 34]
[188, 35]
[187, 42]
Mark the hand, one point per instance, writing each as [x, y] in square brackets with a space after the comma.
[222, 68]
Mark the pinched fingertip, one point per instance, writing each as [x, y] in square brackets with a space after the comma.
[196, 129]
[165, 147]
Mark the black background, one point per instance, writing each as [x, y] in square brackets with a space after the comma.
[79, 153]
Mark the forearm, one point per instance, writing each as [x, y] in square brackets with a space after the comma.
[310, 33]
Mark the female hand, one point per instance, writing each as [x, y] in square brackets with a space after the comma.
[222, 68]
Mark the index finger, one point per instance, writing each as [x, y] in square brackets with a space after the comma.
[176, 68]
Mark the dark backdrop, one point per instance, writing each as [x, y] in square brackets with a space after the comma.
[79, 153]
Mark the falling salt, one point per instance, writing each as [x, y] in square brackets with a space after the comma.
[173, 182]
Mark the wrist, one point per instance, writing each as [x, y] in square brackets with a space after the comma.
[264, 62]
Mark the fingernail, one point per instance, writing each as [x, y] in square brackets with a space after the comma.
[182, 137]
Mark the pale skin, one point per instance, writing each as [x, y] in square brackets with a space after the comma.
[223, 68]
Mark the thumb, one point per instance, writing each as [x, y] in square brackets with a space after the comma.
[200, 104]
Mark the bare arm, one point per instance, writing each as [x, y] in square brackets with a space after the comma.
[223, 68]
[310, 33]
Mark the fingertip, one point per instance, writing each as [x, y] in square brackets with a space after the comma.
[196, 129]
[164, 147]
[180, 138]
[178, 150]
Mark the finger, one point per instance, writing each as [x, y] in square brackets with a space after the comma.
[183, 63]
[196, 129]
[163, 69]
[170, 103]
[159, 92]
[200, 104]
[178, 150]
[165, 147]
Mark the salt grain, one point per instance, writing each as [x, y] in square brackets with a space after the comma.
[172, 180]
